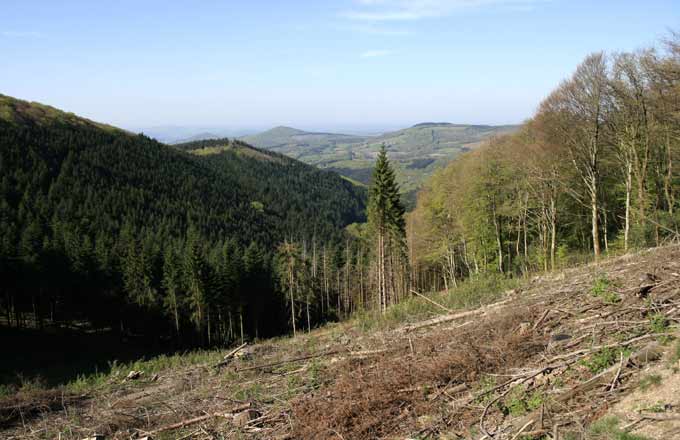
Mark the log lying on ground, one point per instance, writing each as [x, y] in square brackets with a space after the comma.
[432, 301]
[287, 361]
[231, 354]
[359, 354]
[188, 422]
[454, 316]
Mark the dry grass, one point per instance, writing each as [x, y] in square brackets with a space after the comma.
[382, 396]
[543, 341]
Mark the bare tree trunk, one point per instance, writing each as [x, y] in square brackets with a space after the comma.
[381, 270]
[361, 277]
[231, 326]
[668, 178]
[292, 299]
[446, 284]
[499, 243]
[524, 227]
[594, 218]
[629, 185]
[240, 317]
[325, 281]
[553, 232]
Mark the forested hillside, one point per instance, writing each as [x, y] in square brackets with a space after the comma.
[416, 151]
[594, 171]
[284, 185]
[114, 230]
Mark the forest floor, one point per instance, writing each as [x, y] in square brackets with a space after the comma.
[588, 352]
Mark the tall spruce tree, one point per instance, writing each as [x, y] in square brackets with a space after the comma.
[386, 218]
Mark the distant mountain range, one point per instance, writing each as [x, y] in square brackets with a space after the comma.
[171, 134]
[416, 151]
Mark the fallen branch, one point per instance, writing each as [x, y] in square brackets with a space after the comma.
[618, 373]
[432, 301]
[366, 353]
[521, 430]
[601, 347]
[540, 320]
[448, 318]
[230, 355]
[188, 422]
[288, 361]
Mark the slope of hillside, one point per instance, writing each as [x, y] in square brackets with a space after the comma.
[19, 113]
[416, 151]
[117, 231]
[272, 175]
[96, 151]
[546, 360]
[293, 142]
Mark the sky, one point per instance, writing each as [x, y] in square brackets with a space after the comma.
[311, 64]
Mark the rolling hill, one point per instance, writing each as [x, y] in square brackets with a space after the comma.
[103, 226]
[416, 151]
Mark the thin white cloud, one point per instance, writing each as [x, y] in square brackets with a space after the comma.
[410, 10]
[20, 34]
[375, 53]
[372, 29]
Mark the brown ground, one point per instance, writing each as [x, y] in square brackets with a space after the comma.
[550, 358]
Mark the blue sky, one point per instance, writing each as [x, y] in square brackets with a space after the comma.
[310, 64]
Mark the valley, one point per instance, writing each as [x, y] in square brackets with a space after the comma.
[202, 279]
[416, 152]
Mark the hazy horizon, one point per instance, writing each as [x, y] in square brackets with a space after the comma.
[175, 133]
[367, 65]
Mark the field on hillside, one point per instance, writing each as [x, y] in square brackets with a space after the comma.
[545, 359]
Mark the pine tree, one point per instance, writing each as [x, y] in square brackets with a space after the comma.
[386, 218]
[195, 281]
[171, 284]
[290, 263]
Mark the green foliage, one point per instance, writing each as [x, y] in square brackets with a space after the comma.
[486, 384]
[649, 381]
[603, 359]
[384, 205]
[388, 227]
[6, 390]
[603, 288]
[658, 323]
[657, 407]
[315, 371]
[607, 428]
[251, 392]
[519, 402]
[516, 206]
[675, 353]
[471, 293]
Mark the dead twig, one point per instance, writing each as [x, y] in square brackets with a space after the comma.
[618, 373]
[541, 319]
[521, 430]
